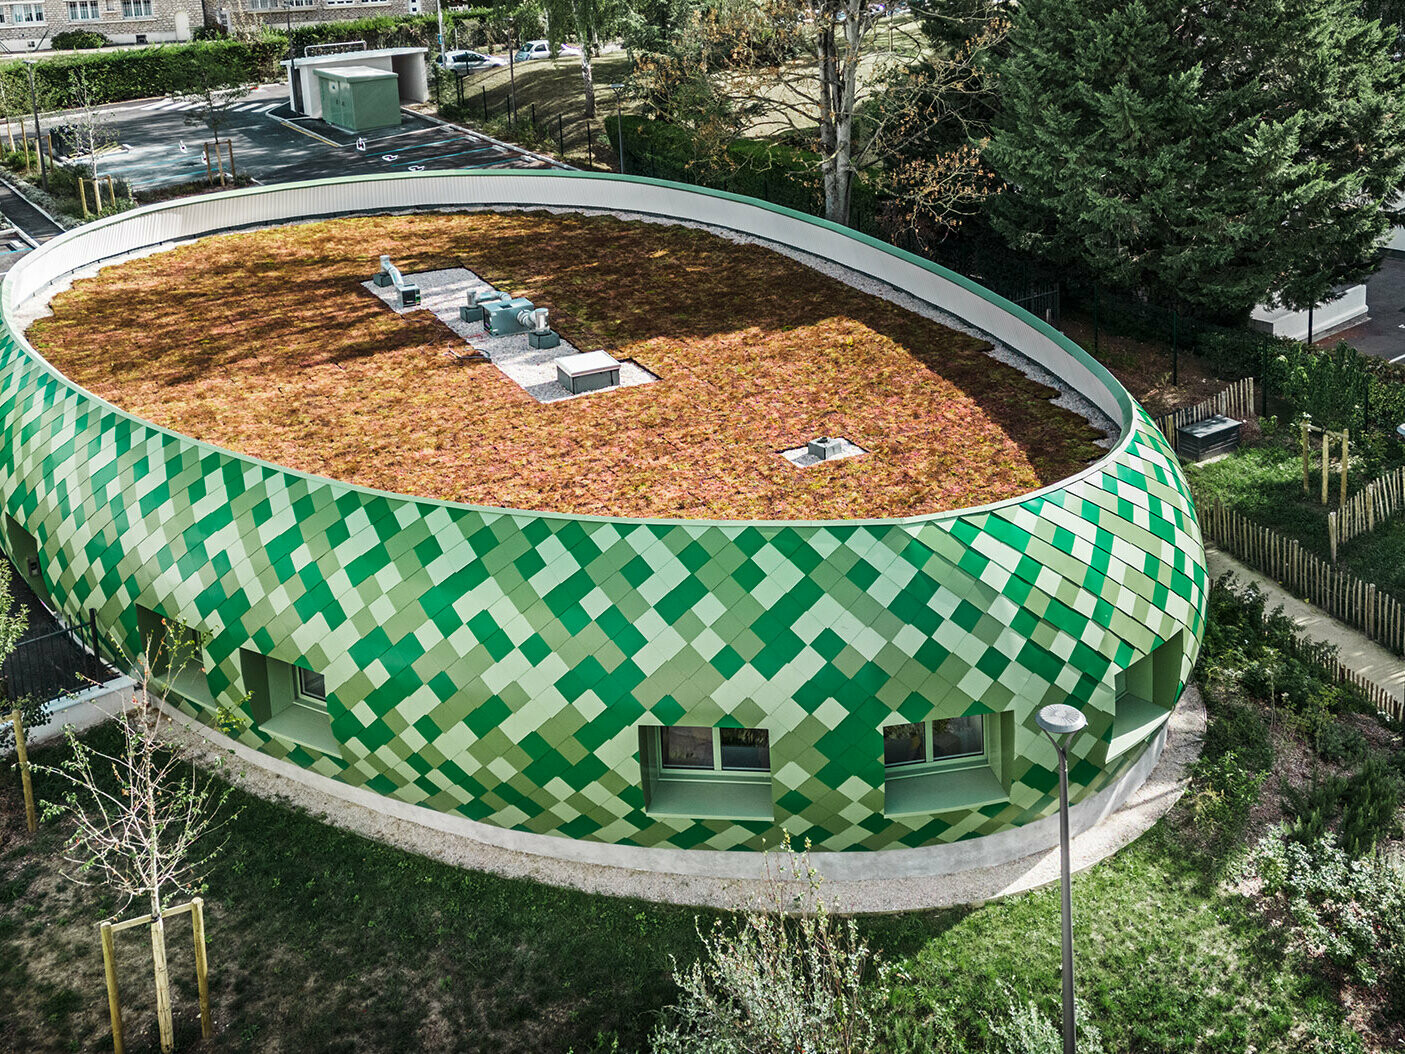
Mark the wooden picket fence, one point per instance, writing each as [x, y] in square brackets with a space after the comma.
[1236, 401]
[1341, 594]
[1377, 501]
[1378, 697]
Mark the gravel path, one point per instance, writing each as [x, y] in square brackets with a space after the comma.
[373, 816]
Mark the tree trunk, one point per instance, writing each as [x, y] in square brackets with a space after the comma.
[588, 76]
[163, 986]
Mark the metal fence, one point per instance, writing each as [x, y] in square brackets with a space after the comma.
[53, 664]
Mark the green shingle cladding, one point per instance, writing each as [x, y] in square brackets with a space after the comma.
[498, 664]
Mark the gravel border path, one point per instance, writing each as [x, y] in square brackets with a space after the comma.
[356, 810]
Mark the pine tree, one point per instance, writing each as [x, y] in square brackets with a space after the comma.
[1216, 156]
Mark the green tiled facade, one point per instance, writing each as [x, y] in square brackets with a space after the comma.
[498, 664]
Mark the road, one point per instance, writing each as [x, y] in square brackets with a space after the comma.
[161, 144]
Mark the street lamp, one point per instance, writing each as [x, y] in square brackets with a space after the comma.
[1061, 722]
[618, 89]
[34, 103]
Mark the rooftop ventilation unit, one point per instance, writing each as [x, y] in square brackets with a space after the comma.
[589, 371]
[825, 448]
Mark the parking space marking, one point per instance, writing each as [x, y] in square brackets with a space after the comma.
[1398, 358]
[441, 157]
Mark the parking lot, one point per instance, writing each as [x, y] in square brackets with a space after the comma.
[157, 144]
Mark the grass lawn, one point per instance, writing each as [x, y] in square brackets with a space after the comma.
[1264, 481]
[273, 348]
[323, 941]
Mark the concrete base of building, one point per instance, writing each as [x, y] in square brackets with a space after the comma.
[904, 879]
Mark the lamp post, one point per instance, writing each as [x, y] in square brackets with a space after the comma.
[618, 89]
[34, 103]
[1061, 722]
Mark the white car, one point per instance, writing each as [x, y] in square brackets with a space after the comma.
[541, 49]
[462, 62]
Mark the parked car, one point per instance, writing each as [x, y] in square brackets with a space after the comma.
[462, 62]
[541, 49]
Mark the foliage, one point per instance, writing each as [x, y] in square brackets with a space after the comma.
[1347, 912]
[1229, 152]
[14, 617]
[812, 69]
[141, 72]
[787, 976]
[1223, 791]
[1370, 807]
[1025, 1029]
[1341, 744]
[1239, 730]
[14, 620]
[1314, 809]
[78, 39]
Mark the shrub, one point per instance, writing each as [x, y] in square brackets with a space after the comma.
[1348, 912]
[1223, 791]
[75, 39]
[1024, 1029]
[1369, 806]
[1241, 731]
[1341, 744]
[785, 976]
[1313, 810]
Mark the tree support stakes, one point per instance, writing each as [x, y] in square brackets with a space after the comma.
[108, 930]
[22, 757]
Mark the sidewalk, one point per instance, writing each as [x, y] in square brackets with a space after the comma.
[1354, 650]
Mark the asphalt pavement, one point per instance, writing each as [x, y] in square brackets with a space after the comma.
[160, 142]
[1383, 333]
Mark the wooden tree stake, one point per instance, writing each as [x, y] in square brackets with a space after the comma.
[1326, 454]
[22, 756]
[1307, 489]
[1346, 463]
[114, 1003]
[202, 968]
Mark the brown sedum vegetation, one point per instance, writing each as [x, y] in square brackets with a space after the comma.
[266, 343]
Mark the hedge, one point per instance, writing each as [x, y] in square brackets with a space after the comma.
[173, 68]
[114, 76]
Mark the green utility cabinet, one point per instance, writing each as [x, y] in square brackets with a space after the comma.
[359, 98]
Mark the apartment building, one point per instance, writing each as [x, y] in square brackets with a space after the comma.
[30, 26]
[283, 13]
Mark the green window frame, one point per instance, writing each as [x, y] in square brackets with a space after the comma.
[289, 702]
[944, 764]
[706, 773]
[162, 639]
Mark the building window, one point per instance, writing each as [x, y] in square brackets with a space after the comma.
[176, 654]
[312, 686]
[706, 773]
[83, 10]
[136, 8]
[21, 14]
[946, 739]
[1144, 694]
[289, 702]
[944, 764]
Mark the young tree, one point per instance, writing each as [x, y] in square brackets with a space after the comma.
[589, 19]
[142, 815]
[793, 65]
[1216, 155]
[92, 128]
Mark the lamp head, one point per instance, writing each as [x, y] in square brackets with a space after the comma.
[1060, 719]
